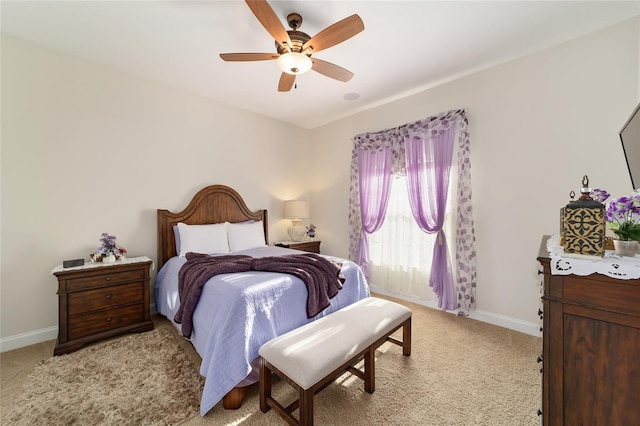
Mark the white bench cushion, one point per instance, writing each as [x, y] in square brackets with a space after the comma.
[309, 353]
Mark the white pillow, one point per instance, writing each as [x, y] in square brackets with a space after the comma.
[207, 239]
[244, 236]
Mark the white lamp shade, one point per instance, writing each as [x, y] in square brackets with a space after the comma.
[296, 209]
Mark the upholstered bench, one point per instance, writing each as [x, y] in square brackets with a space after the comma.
[311, 357]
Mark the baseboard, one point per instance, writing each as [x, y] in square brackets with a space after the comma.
[526, 327]
[51, 333]
[38, 336]
[26, 339]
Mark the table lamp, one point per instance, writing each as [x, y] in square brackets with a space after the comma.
[296, 210]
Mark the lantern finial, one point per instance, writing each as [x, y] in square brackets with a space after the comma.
[585, 192]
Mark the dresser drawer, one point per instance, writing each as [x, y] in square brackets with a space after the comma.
[103, 298]
[97, 322]
[618, 295]
[104, 279]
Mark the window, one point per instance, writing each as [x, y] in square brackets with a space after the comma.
[400, 252]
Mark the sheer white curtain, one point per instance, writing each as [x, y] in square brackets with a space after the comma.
[400, 252]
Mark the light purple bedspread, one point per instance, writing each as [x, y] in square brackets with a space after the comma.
[238, 313]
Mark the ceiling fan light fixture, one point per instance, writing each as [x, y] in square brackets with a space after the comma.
[294, 63]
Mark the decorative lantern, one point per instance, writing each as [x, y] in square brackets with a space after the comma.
[572, 194]
[584, 225]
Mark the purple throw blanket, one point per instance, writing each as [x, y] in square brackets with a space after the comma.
[322, 278]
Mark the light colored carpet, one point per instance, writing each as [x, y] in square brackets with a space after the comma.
[461, 372]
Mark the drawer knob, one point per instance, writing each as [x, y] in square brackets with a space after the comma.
[108, 278]
[108, 296]
[109, 319]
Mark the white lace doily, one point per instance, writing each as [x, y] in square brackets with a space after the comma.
[89, 265]
[611, 265]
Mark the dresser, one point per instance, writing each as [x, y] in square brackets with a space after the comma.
[96, 301]
[309, 246]
[591, 348]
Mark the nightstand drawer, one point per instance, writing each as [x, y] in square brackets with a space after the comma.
[309, 246]
[607, 293]
[103, 298]
[89, 324]
[104, 279]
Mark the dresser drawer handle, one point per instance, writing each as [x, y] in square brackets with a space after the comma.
[109, 319]
[108, 296]
[108, 278]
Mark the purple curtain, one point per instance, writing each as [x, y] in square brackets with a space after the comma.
[444, 126]
[428, 162]
[374, 186]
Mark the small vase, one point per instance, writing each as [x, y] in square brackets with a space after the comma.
[625, 248]
[109, 259]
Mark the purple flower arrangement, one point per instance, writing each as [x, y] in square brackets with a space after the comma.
[108, 246]
[311, 230]
[622, 214]
[600, 195]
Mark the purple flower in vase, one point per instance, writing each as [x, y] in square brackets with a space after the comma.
[108, 246]
[600, 195]
[623, 216]
[311, 230]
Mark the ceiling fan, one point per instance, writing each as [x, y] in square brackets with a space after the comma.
[294, 48]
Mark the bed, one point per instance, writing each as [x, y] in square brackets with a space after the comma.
[236, 313]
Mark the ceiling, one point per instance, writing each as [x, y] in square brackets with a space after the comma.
[406, 47]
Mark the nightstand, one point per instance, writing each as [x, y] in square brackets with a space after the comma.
[310, 246]
[97, 301]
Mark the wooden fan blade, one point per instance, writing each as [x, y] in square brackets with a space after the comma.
[286, 82]
[331, 70]
[270, 21]
[249, 56]
[334, 34]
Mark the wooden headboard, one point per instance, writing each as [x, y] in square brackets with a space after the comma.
[213, 204]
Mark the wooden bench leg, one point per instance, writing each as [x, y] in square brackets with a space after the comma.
[265, 386]
[406, 337]
[370, 369]
[306, 407]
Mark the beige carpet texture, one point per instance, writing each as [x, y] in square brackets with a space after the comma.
[460, 372]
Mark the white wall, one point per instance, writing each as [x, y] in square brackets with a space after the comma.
[87, 149]
[537, 125]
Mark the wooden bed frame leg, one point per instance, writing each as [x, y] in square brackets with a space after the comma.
[233, 399]
[265, 386]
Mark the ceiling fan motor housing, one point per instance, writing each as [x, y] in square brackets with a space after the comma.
[298, 39]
